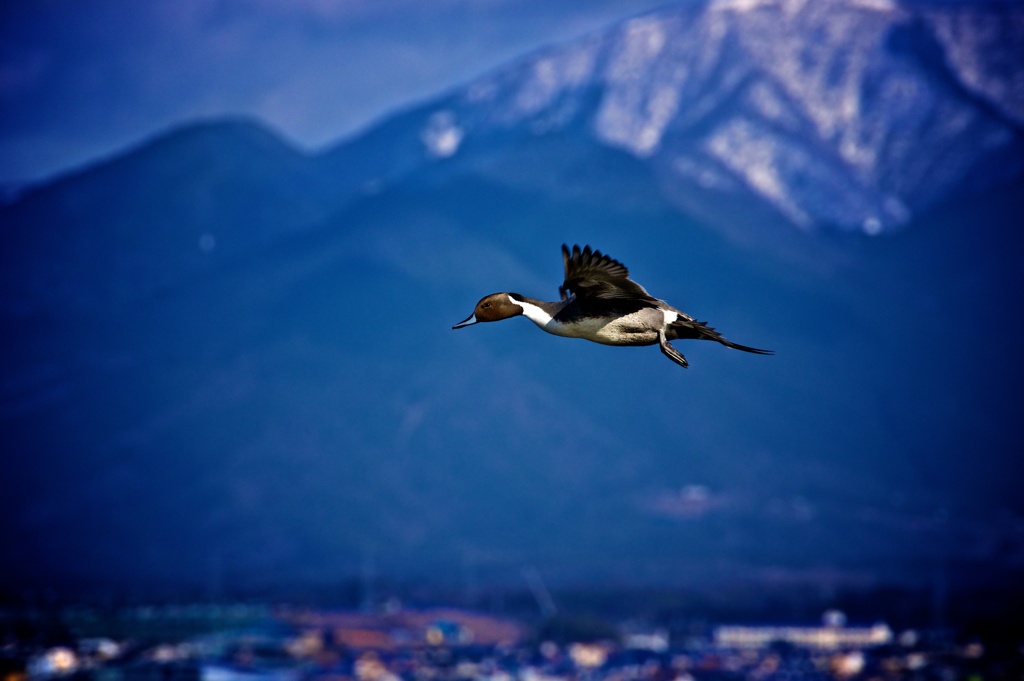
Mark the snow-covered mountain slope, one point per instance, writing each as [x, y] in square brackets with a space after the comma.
[856, 114]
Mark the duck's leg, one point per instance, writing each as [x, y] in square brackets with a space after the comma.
[670, 351]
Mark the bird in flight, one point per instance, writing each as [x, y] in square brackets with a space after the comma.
[600, 303]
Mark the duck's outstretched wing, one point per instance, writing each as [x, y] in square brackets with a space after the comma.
[591, 274]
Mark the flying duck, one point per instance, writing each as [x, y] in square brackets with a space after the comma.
[600, 303]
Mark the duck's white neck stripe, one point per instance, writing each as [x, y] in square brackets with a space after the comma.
[538, 315]
[535, 314]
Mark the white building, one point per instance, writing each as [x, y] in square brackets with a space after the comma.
[822, 638]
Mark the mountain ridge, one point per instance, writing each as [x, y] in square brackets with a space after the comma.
[691, 89]
[638, 86]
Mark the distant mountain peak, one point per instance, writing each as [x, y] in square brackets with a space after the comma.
[220, 137]
[854, 114]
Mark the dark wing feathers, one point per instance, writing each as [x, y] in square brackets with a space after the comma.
[579, 263]
[591, 273]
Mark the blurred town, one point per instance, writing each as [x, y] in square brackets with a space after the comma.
[251, 642]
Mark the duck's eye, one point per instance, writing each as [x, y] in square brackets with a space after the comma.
[486, 305]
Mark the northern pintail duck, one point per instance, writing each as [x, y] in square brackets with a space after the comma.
[600, 303]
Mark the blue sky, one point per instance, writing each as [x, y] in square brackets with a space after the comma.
[80, 80]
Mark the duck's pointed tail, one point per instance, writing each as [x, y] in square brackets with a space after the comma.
[701, 331]
[744, 348]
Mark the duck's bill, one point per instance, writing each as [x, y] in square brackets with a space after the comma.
[468, 321]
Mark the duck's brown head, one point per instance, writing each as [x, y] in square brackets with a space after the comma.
[492, 308]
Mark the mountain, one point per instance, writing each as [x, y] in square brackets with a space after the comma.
[229, 364]
[857, 115]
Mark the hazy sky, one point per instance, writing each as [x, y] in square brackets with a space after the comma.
[79, 80]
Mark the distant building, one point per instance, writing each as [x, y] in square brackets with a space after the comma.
[656, 641]
[409, 628]
[832, 635]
